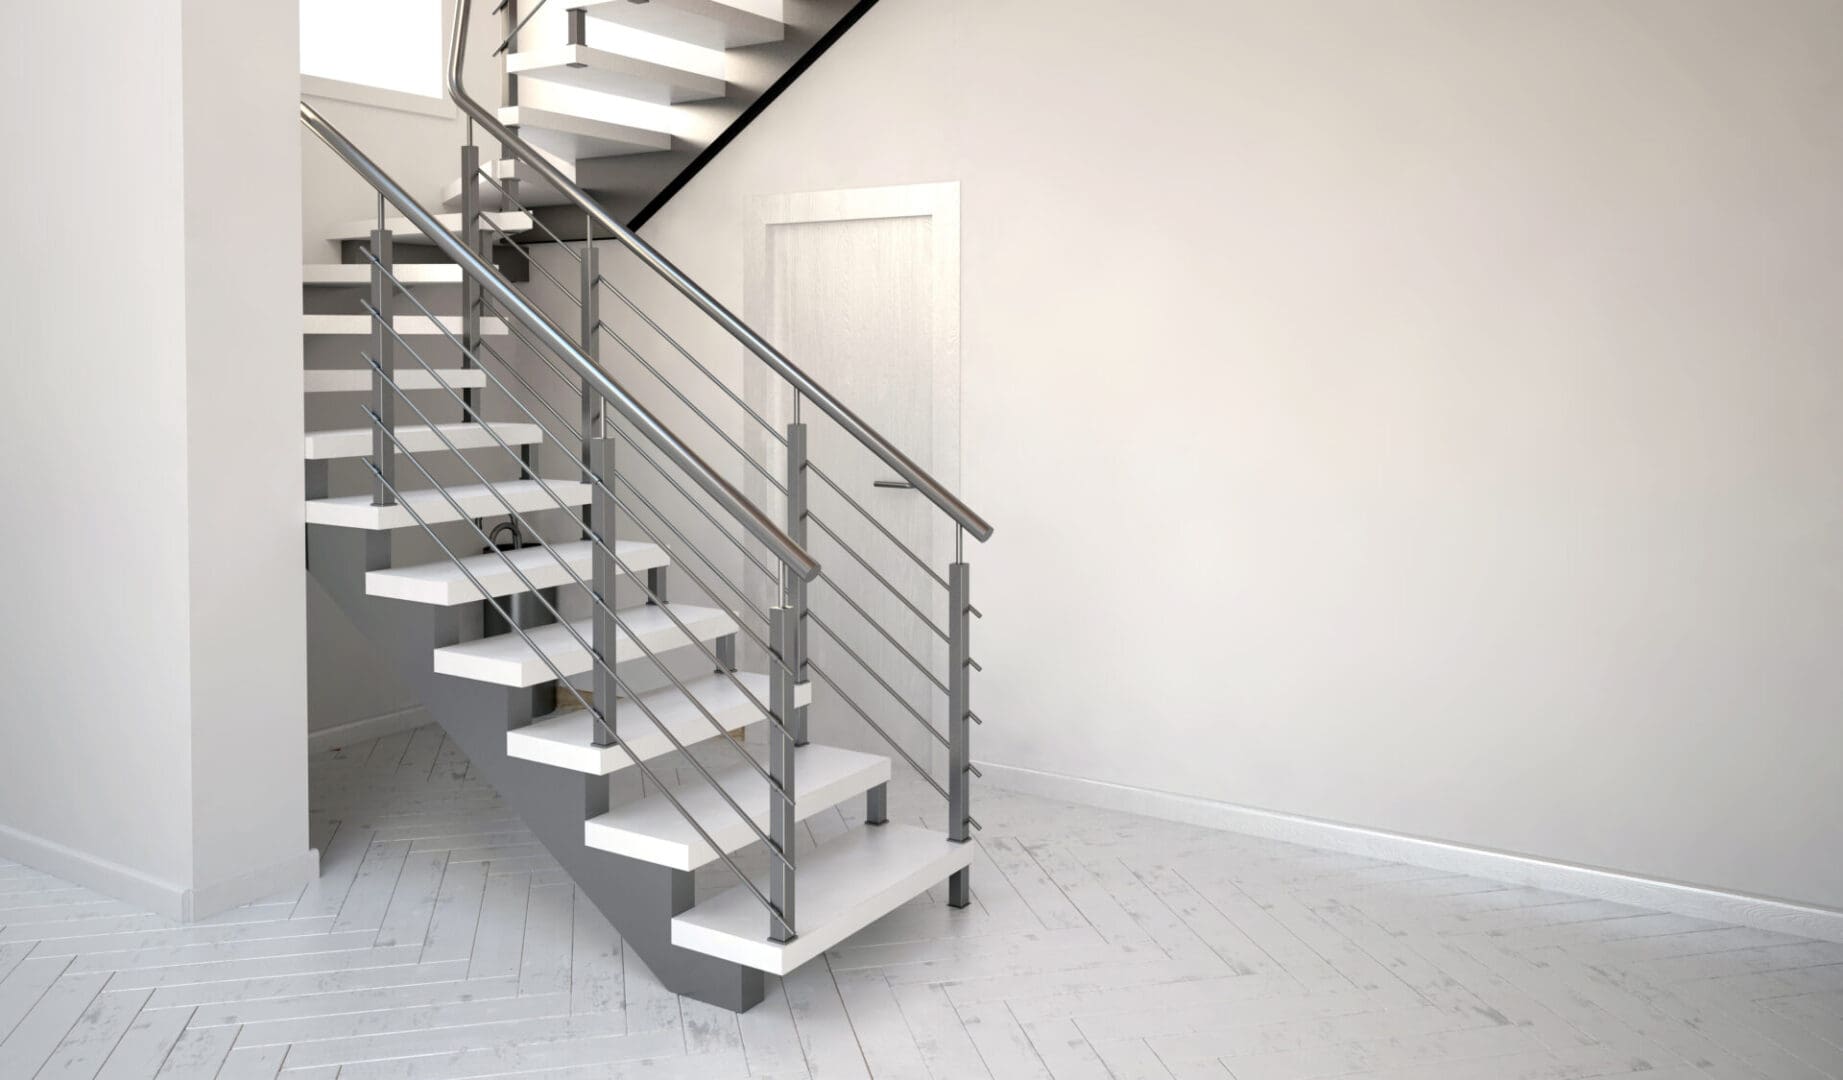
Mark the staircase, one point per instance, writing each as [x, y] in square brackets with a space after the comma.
[629, 100]
[607, 648]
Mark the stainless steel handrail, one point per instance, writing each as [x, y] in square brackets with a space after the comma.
[791, 555]
[949, 503]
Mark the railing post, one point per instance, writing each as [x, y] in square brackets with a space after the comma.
[959, 710]
[591, 341]
[470, 289]
[602, 581]
[508, 93]
[781, 631]
[384, 349]
[797, 589]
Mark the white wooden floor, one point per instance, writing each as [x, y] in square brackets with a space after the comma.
[442, 942]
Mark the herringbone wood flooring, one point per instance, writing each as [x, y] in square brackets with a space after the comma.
[441, 941]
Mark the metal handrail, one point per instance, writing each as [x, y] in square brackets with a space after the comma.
[791, 555]
[873, 441]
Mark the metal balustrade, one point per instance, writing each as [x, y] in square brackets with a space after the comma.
[608, 417]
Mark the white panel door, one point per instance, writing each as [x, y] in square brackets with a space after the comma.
[860, 289]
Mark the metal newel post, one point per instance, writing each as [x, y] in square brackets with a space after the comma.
[796, 588]
[602, 580]
[591, 340]
[470, 289]
[959, 711]
[384, 348]
[781, 631]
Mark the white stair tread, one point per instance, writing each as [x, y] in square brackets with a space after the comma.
[402, 232]
[532, 190]
[575, 137]
[612, 73]
[651, 829]
[565, 740]
[445, 584]
[714, 24]
[477, 500]
[358, 380]
[840, 887]
[407, 325]
[356, 442]
[506, 660]
[360, 273]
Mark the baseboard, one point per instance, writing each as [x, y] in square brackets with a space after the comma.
[1599, 884]
[167, 899]
[291, 873]
[371, 727]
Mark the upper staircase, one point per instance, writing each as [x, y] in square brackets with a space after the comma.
[630, 99]
[506, 550]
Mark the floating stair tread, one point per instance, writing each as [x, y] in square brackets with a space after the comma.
[477, 500]
[402, 232]
[613, 73]
[318, 274]
[444, 584]
[407, 325]
[532, 189]
[714, 24]
[576, 137]
[506, 659]
[565, 739]
[841, 886]
[356, 442]
[651, 829]
[358, 380]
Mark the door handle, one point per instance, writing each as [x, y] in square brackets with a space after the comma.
[898, 484]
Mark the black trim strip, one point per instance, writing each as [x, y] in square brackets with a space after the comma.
[749, 114]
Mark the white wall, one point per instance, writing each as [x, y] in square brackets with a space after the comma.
[1425, 415]
[155, 723]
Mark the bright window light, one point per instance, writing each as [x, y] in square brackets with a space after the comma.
[392, 44]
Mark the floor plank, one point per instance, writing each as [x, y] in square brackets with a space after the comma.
[442, 941]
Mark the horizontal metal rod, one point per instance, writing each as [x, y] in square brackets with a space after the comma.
[492, 283]
[949, 504]
[534, 264]
[884, 634]
[522, 208]
[513, 36]
[814, 468]
[872, 672]
[598, 481]
[919, 614]
[709, 374]
[699, 413]
[876, 727]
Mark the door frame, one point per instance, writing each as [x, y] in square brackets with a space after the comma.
[771, 396]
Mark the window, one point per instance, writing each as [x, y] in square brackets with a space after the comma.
[389, 45]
